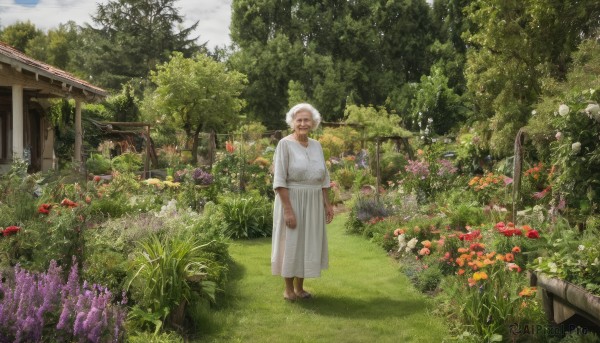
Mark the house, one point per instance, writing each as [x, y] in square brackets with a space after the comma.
[26, 85]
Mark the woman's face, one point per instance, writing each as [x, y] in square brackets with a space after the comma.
[303, 122]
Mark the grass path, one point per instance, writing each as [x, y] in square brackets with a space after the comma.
[361, 298]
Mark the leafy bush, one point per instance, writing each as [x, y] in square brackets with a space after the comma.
[429, 278]
[247, 216]
[465, 214]
[166, 273]
[97, 164]
[127, 162]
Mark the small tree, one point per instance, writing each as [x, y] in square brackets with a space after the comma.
[196, 94]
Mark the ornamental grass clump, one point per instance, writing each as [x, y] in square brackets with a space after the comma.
[42, 308]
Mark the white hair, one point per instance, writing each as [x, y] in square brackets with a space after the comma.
[291, 115]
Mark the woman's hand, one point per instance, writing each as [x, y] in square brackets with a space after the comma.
[290, 218]
[329, 213]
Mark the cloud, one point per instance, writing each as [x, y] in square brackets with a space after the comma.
[213, 16]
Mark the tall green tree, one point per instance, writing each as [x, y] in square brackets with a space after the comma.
[129, 38]
[197, 94]
[19, 34]
[57, 47]
[339, 51]
[514, 44]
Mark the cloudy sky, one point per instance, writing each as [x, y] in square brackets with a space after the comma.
[214, 16]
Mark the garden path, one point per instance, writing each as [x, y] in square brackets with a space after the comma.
[363, 297]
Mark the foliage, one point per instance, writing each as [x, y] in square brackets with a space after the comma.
[97, 164]
[286, 53]
[377, 121]
[246, 216]
[129, 38]
[43, 308]
[127, 162]
[436, 108]
[573, 257]
[518, 47]
[183, 95]
[165, 274]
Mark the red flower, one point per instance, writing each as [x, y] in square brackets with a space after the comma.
[11, 230]
[68, 203]
[533, 234]
[511, 232]
[44, 208]
[469, 236]
[97, 178]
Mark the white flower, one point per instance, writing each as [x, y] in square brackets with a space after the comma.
[563, 110]
[553, 267]
[581, 247]
[411, 244]
[558, 135]
[534, 112]
[592, 109]
[576, 147]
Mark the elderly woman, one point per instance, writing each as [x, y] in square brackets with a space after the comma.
[301, 206]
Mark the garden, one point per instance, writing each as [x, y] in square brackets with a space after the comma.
[462, 142]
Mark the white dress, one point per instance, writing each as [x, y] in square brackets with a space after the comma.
[300, 252]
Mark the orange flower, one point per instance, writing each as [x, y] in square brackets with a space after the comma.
[509, 257]
[487, 262]
[461, 271]
[426, 244]
[229, 147]
[490, 255]
[516, 250]
[460, 262]
[398, 232]
[500, 257]
[462, 250]
[528, 292]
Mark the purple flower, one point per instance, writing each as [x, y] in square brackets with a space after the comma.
[201, 177]
[419, 169]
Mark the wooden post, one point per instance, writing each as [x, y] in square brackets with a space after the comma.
[147, 160]
[377, 143]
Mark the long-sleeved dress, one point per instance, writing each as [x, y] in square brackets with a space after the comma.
[300, 252]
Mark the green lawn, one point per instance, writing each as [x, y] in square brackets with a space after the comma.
[361, 298]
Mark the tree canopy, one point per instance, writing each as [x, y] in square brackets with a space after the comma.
[197, 94]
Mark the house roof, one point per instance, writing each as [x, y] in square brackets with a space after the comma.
[20, 61]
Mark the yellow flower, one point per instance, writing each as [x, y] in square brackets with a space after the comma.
[153, 181]
[480, 276]
[172, 184]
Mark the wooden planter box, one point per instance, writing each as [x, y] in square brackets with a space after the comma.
[562, 299]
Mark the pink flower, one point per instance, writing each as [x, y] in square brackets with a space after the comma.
[424, 251]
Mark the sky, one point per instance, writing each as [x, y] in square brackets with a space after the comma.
[214, 16]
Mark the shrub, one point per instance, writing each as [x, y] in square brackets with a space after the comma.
[127, 162]
[246, 216]
[166, 273]
[465, 214]
[429, 278]
[97, 164]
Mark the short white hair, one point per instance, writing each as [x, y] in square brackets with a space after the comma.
[291, 115]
